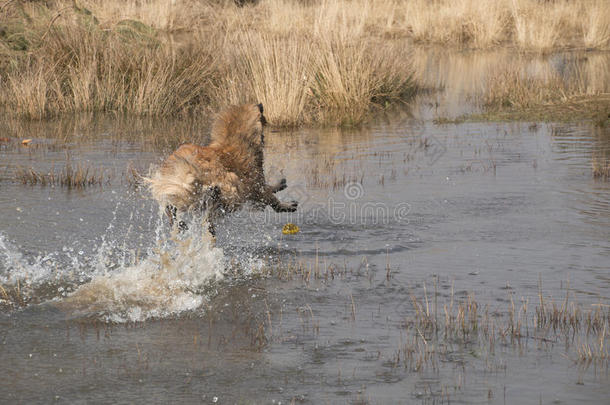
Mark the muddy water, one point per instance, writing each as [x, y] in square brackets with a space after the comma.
[101, 303]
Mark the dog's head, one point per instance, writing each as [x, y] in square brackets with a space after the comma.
[262, 118]
[241, 124]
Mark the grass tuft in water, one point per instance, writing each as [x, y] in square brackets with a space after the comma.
[79, 175]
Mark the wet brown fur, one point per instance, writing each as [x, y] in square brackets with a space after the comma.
[224, 175]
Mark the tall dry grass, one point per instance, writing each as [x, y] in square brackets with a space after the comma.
[476, 23]
[528, 24]
[531, 25]
[596, 25]
[515, 88]
[77, 65]
[96, 58]
[272, 70]
[539, 92]
[328, 61]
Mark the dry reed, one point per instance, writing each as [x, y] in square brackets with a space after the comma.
[430, 325]
[514, 92]
[79, 175]
[327, 61]
[71, 59]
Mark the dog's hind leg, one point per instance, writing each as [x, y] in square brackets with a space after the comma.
[211, 228]
[172, 214]
[211, 204]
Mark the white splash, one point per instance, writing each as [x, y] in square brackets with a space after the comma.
[15, 268]
[169, 281]
[171, 277]
[135, 270]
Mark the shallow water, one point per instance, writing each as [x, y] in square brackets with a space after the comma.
[111, 307]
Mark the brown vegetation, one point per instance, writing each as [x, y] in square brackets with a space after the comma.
[308, 62]
[515, 91]
[80, 175]
[155, 59]
[433, 326]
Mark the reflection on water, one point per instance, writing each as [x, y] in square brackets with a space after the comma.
[463, 76]
[119, 134]
[600, 160]
[400, 223]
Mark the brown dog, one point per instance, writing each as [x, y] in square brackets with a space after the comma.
[221, 177]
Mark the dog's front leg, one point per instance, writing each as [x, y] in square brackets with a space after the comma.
[279, 186]
[270, 199]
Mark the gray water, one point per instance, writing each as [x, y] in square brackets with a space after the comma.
[112, 308]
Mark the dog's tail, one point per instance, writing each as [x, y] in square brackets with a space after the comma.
[176, 184]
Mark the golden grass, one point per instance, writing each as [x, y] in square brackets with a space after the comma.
[470, 22]
[596, 25]
[326, 61]
[75, 66]
[515, 88]
[519, 91]
[273, 71]
[528, 24]
[79, 175]
[71, 59]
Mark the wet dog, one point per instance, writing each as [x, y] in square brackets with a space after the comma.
[221, 177]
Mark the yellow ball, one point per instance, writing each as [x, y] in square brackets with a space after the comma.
[290, 229]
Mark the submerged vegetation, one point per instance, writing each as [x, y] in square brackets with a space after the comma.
[328, 62]
[77, 176]
[436, 329]
[600, 158]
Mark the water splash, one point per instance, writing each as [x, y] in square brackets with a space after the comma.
[172, 280]
[15, 268]
[115, 282]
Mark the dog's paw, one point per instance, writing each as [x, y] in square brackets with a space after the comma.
[288, 207]
[281, 185]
